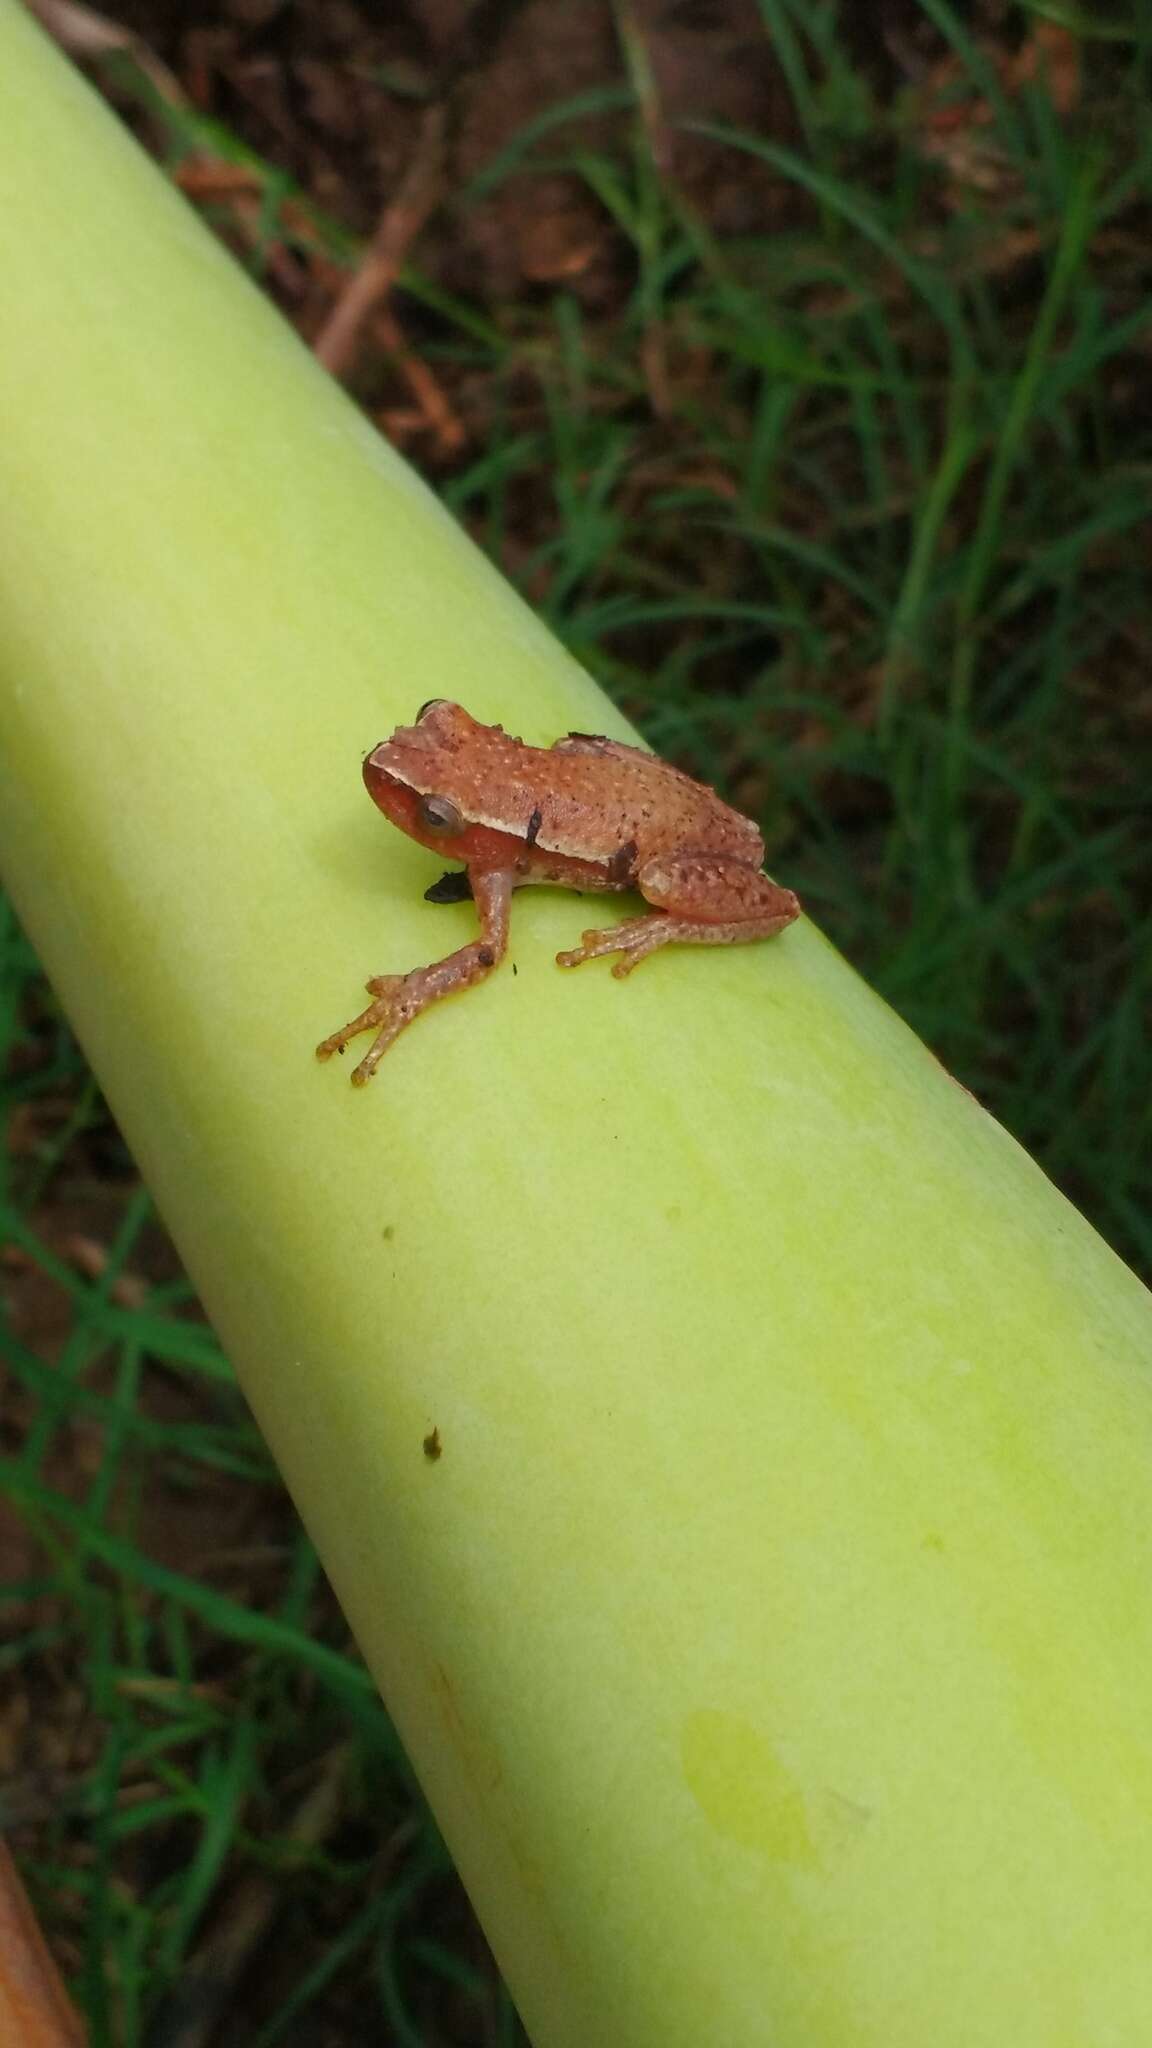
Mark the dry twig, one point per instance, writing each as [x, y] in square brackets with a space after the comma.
[86, 34]
[338, 341]
[35, 2011]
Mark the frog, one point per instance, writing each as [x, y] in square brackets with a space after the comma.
[588, 813]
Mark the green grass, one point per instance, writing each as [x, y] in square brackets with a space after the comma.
[852, 521]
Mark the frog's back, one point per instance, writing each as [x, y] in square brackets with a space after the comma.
[586, 798]
[651, 803]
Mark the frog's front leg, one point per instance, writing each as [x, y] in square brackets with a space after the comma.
[401, 997]
[699, 899]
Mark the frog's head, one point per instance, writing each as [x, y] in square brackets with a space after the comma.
[429, 777]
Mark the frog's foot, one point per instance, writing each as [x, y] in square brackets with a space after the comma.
[639, 936]
[698, 898]
[386, 1016]
[398, 998]
[633, 940]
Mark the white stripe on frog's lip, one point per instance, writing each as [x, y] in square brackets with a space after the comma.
[534, 840]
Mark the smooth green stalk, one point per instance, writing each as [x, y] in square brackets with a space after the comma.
[773, 1635]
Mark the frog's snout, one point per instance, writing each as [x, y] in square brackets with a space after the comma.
[374, 771]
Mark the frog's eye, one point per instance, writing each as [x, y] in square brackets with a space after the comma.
[433, 704]
[438, 815]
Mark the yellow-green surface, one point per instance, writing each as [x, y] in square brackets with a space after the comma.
[774, 1635]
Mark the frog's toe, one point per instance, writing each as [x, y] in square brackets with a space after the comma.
[591, 945]
[370, 1019]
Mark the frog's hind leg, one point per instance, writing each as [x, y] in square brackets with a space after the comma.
[398, 998]
[699, 899]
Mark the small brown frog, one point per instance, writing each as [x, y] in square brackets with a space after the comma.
[586, 813]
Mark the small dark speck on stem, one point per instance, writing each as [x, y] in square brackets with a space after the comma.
[432, 1446]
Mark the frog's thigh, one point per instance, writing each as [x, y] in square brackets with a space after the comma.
[712, 887]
